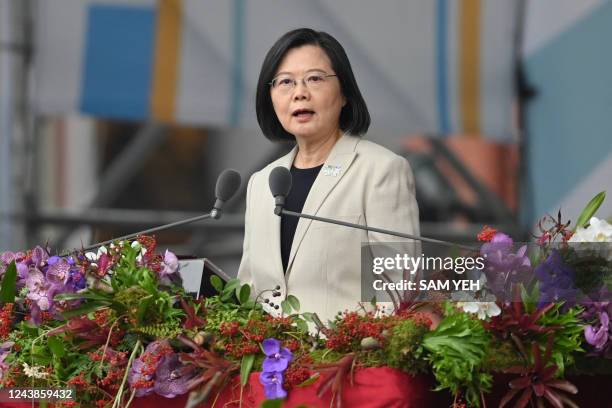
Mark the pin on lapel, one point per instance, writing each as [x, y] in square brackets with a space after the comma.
[333, 170]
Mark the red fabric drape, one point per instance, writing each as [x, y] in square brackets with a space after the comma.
[374, 388]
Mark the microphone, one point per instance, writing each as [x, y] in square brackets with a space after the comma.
[280, 185]
[227, 185]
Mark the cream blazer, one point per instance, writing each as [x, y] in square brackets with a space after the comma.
[361, 182]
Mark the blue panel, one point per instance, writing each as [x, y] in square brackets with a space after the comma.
[118, 62]
[570, 120]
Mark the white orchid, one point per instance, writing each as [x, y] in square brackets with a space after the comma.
[484, 306]
[597, 231]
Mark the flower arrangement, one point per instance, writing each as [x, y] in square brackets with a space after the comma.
[116, 325]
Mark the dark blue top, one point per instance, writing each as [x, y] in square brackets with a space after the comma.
[301, 182]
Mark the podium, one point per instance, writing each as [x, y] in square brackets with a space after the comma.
[196, 273]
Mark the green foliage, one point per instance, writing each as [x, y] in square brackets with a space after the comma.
[404, 348]
[590, 209]
[457, 350]
[568, 334]
[216, 283]
[223, 308]
[7, 290]
[161, 330]
[246, 365]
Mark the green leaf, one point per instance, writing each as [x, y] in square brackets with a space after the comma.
[313, 378]
[373, 301]
[302, 325]
[246, 365]
[286, 306]
[216, 283]
[294, 302]
[308, 316]
[590, 209]
[275, 403]
[231, 286]
[79, 296]
[84, 309]
[243, 293]
[7, 291]
[56, 345]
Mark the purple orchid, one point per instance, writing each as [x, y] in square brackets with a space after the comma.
[600, 337]
[40, 256]
[170, 264]
[139, 365]
[173, 378]
[503, 267]
[276, 362]
[58, 271]
[273, 384]
[556, 281]
[44, 277]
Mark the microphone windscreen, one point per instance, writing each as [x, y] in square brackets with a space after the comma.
[280, 181]
[227, 184]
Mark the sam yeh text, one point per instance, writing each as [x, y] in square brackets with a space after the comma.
[434, 284]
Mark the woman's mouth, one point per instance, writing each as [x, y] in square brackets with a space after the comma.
[303, 115]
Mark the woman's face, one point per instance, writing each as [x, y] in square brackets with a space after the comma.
[313, 110]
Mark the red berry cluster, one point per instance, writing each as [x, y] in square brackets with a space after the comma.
[113, 379]
[352, 328]
[238, 350]
[6, 320]
[79, 381]
[229, 328]
[298, 372]
[279, 322]
[293, 345]
[101, 317]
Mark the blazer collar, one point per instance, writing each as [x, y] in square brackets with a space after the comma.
[334, 168]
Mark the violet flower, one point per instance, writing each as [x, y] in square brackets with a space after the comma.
[556, 280]
[278, 358]
[173, 378]
[170, 264]
[58, 271]
[40, 257]
[139, 365]
[600, 337]
[503, 267]
[273, 384]
[276, 362]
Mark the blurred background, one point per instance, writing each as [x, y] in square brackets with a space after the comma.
[118, 115]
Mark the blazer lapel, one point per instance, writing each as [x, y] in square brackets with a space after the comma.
[334, 168]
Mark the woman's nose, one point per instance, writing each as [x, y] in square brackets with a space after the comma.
[301, 91]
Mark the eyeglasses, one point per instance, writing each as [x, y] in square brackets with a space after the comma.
[313, 81]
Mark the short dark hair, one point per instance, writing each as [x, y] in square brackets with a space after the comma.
[354, 116]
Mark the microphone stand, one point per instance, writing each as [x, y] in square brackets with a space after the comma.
[279, 210]
[212, 214]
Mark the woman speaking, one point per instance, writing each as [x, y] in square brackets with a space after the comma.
[307, 93]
